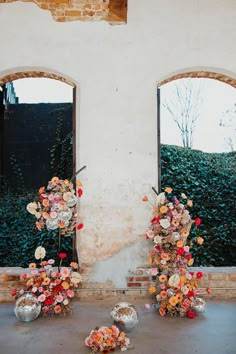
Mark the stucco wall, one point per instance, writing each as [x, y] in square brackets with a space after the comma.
[116, 69]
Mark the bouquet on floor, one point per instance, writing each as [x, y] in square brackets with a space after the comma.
[105, 340]
[176, 289]
[54, 288]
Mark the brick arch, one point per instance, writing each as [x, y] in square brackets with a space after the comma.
[201, 74]
[34, 74]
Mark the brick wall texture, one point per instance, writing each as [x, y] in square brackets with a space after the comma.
[71, 10]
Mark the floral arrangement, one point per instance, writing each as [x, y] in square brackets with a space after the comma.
[176, 288]
[105, 339]
[56, 206]
[54, 288]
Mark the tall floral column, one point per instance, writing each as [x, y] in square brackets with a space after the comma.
[176, 288]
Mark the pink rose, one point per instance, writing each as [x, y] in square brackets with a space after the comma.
[57, 309]
[41, 298]
[70, 293]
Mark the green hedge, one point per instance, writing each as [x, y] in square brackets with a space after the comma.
[19, 236]
[209, 179]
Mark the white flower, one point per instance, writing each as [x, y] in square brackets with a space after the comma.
[165, 223]
[31, 207]
[174, 280]
[185, 290]
[176, 236]
[67, 196]
[157, 239]
[65, 302]
[170, 205]
[160, 199]
[75, 277]
[150, 234]
[183, 196]
[40, 252]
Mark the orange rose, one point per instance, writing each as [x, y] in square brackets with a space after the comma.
[179, 297]
[79, 183]
[61, 224]
[179, 243]
[45, 202]
[190, 203]
[65, 285]
[32, 266]
[168, 190]
[190, 262]
[152, 290]
[46, 281]
[200, 240]
[41, 190]
[173, 300]
[163, 294]
[55, 180]
[165, 256]
[163, 209]
[45, 215]
[162, 278]
[152, 253]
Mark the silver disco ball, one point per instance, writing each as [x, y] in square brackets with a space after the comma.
[125, 316]
[27, 307]
[198, 305]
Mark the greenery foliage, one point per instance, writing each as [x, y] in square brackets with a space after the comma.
[209, 179]
[19, 236]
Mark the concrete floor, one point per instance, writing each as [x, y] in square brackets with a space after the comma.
[211, 333]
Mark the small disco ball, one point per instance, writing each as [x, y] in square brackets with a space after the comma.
[125, 316]
[27, 307]
[198, 305]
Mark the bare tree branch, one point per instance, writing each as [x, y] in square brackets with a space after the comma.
[184, 108]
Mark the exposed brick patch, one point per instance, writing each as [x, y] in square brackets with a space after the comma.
[32, 74]
[113, 11]
[134, 285]
[142, 278]
[232, 277]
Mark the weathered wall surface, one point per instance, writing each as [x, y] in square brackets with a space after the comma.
[116, 70]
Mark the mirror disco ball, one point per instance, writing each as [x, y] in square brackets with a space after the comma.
[125, 316]
[27, 307]
[198, 305]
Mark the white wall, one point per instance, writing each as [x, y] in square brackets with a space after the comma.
[117, 69]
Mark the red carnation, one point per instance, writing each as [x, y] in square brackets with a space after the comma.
[197, 221]
[155, 220]
[199, 275]
[192, 273]
[49, 300]
[157, 248]
[190, 293]
[188, 256]
[180, 251]
[80, 192]
[80, 226]
[62, 255]
[58, 289]
[191, 314]
[13, 292]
